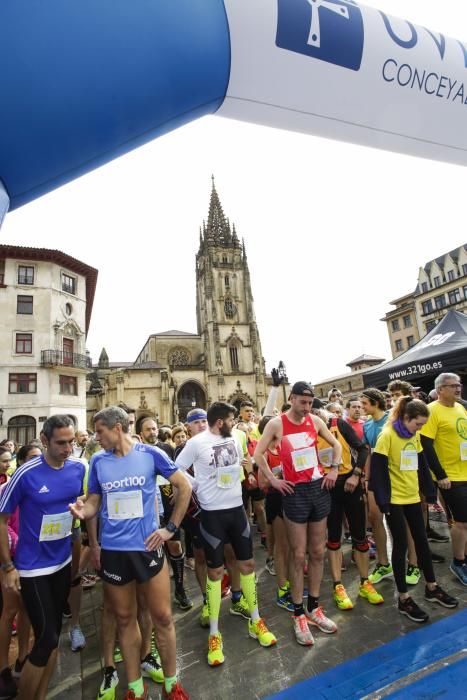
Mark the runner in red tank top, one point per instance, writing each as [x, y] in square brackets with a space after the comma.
[306, 501]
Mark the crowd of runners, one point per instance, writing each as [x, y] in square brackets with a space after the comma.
[133, 498]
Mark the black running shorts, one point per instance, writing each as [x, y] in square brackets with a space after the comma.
[456, 500]
[309, 503]
[273, 506]
[120, 568]
[219, 527]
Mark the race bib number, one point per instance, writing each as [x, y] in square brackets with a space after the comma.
[463, 448]
[125, 505]
[325, 456]
[304, 459]
[228, 477]
[409, 461]
[55, 527]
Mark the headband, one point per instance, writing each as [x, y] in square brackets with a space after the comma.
[196, 414]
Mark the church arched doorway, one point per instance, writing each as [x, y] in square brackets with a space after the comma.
[189, 396]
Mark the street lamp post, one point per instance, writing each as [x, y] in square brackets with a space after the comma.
[282, 372]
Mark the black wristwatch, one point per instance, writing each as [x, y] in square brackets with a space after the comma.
[171, 527]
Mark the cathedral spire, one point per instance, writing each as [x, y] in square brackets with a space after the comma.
[218, 227]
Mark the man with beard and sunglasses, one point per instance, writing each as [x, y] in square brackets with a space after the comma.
[216, 457]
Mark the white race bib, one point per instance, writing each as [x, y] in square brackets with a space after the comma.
[409, 461]
[55, 527]
[228, 477]
[463, 449]
[325, 456]
[304, 459]
[125, 505]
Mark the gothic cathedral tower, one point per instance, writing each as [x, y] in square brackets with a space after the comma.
[225, 313]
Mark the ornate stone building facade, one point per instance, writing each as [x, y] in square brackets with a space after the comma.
[176, 370]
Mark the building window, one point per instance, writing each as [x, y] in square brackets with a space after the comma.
[427, 307]
[465, 291]
[233, 351]
[25, 274]
[410, 341]
[227, 281]
[464, 269]
[454, 296]
[450, 275]
[350, 386]
[437, 281]
[22, 383]
[407, 321]
[68, 309]
[24, 304]
[23, 344]
[224, 260]
[440, 302]
[395, 325]
[22, 429]
[399, 345]
[430, 325]
[424, 287]
[68, 283]
[68, 385]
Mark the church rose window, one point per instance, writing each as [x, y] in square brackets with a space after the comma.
[179, 358]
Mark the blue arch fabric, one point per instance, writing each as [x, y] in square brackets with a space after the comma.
[84, 81]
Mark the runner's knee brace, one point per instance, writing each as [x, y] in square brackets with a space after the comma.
[333, 546]
[362, 546]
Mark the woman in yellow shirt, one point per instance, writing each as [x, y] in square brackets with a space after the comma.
[398, 473]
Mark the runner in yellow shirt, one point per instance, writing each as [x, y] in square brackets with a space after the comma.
[444, 439]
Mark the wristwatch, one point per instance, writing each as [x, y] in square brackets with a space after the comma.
[171, 527]
[357, 471]
[335, 466]
[7, 567]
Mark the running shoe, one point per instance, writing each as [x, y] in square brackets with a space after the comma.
[240, 608]
[18, 667]
[302, 631]
[225, 586]
[380, 572]
[204, 616]
[257, 630]
[108, 685]
[77, 638]
[270, 566]
[317, 618]
[460, 572]
[118, 656]
[434, 536]
[285, 601]
[215, 653]
[176, 693]
[182, 600]
[409, 608]
[87, 582]
[152, 669]
[8, 687]
[341, 598]
[130, 694]
[437, 595]
[413, 575]
[347, 538]
[437, 558]
[367, 591]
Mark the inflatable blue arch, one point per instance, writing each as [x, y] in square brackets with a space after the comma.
[84, 81]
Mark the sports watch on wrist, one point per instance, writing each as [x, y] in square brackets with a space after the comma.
[171, 527]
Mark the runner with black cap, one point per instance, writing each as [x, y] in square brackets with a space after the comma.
[306, 500]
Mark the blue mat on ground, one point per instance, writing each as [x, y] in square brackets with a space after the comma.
[380, 667]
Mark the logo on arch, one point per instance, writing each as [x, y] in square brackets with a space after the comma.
[329, 30]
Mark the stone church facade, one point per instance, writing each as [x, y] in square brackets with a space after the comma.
[176, 370]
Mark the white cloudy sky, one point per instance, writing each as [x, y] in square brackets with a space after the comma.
[333, 231]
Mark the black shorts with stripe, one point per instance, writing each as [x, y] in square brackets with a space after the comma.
[309, 503]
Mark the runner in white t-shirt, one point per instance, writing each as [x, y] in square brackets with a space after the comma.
[216, 457]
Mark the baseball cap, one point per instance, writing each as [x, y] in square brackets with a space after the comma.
[317, 404]
[302, 389]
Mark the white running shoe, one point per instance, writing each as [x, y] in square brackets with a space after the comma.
[318, 618]
[302, 631]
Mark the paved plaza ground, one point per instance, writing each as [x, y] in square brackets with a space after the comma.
[251, 672]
